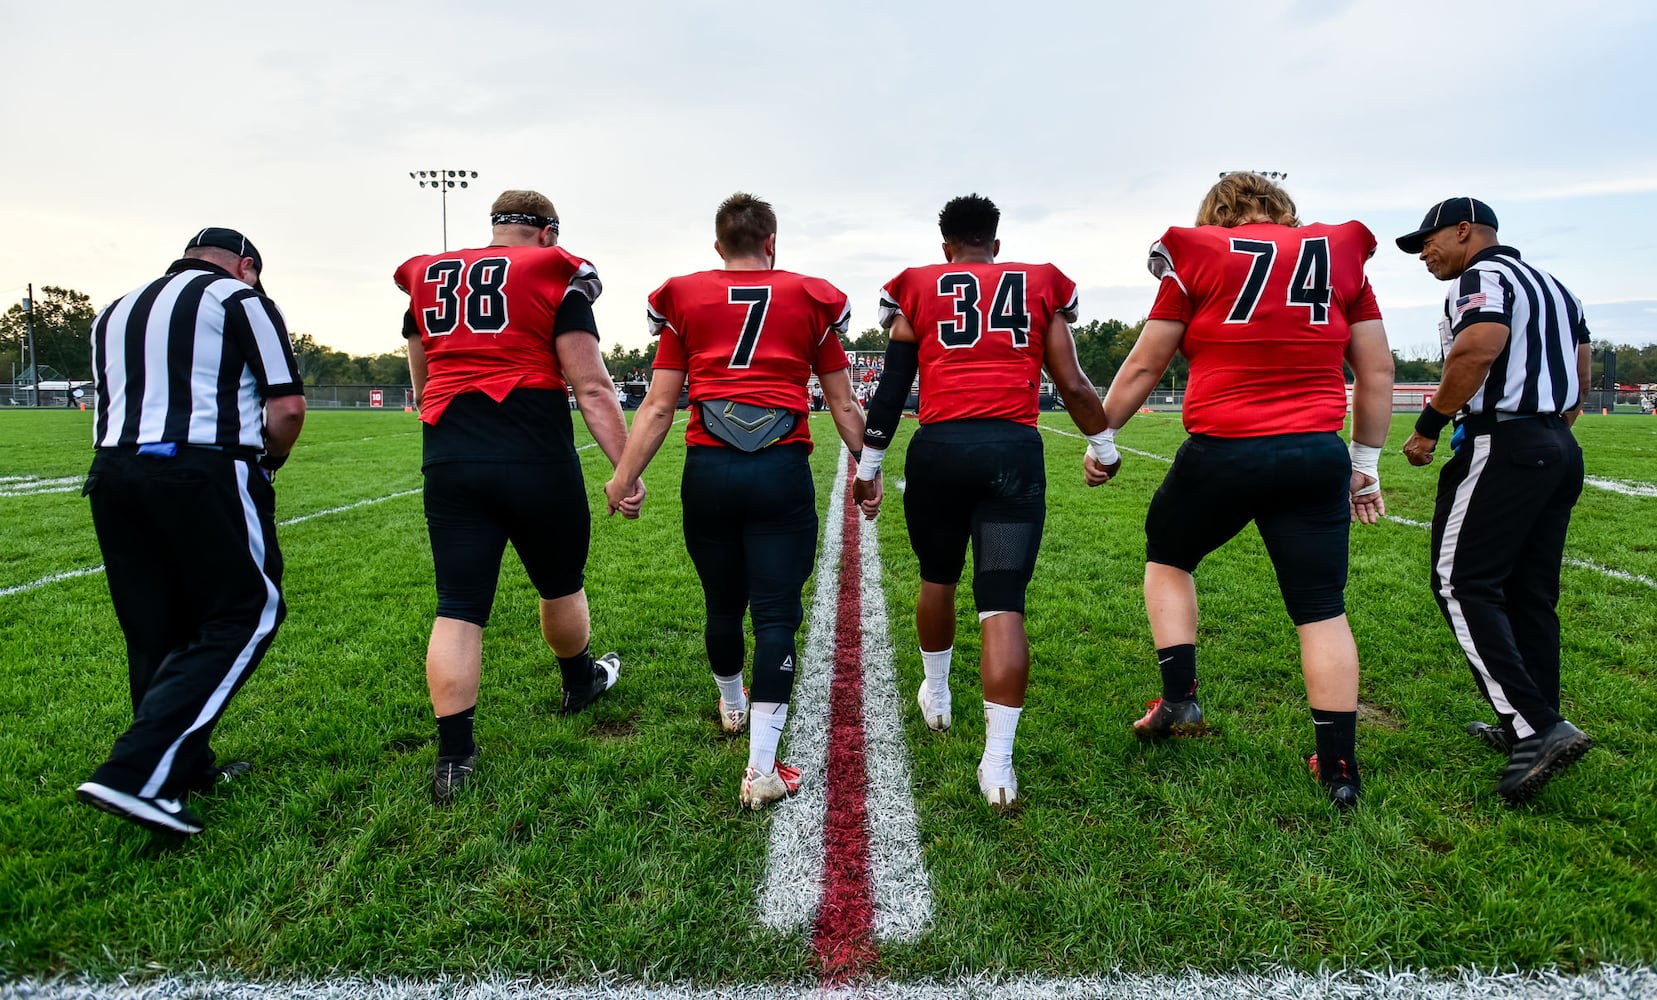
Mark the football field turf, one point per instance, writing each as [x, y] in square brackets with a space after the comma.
[609, 846]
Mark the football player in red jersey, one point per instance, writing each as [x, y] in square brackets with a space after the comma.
[495, 336]
[978, 333]
[1266, 309]
[748, 338]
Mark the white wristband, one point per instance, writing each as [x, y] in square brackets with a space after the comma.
[1367, 460]
[1102, 446]
[868, 467]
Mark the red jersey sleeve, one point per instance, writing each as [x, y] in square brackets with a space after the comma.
[1364, 307]
[670, 347]
[1172, 300]
[891, 304]
[1067, 302]
[830, 355]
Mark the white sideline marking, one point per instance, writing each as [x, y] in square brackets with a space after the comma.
[1119, 446]
[1625, 487]
[793, 884]
[71, 574]
[1277, 984]
[594, 444]
[903, 893]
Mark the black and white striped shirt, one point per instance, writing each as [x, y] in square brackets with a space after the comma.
[190, 358]
[1536, 372]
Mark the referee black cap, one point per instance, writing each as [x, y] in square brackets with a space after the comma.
[1449, 212]
[236, 243]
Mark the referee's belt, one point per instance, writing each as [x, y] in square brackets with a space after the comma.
[1484, 423]
[169, 449]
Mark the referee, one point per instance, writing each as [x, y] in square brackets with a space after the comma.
[1517, 359]
[198, 404]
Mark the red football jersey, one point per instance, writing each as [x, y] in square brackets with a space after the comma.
[1267, 312]
[486, 318]
[750, 336]
[983, 334]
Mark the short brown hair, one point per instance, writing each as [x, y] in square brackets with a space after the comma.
[742, 224]
[1243, 195]
[523, 203]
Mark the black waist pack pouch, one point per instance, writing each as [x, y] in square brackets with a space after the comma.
[744, 426]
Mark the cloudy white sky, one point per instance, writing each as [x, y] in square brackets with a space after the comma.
[1094, 126]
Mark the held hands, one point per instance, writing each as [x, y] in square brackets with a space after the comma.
[867, 494]
[1419, 449]
[1367, 508]
[627, 499]
[1097, 474]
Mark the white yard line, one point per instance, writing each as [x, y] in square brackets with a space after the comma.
[1608, 571]
[794, 863]
[902, 891]
[88, 571]
[1626, 487]
[1604, 983]
[28, 486]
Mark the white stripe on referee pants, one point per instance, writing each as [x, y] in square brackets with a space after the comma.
[1446, 567]
[267, 625]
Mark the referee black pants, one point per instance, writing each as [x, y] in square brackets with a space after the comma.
[189, 546]
[1504, 504]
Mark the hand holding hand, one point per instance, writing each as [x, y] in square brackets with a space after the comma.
[1419, 449]
[1097, 474]
[867, 495]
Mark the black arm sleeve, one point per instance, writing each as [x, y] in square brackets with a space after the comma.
[903, 360]
[575, 314]
[410, 328]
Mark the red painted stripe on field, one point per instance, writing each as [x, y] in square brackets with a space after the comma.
[844, 937]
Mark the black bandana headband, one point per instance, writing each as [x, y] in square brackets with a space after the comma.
[524, 219]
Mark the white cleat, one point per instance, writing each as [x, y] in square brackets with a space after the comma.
[1000, 789]
[761, 789]
[935, 710]
[732, 720]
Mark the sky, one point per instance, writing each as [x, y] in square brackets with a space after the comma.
[1093, 126]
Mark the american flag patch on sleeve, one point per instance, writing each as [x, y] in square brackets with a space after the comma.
[1466, 302]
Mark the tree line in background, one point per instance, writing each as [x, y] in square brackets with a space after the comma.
[63, 327]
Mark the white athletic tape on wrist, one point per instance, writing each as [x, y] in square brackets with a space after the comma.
[869, 466]
[1102, 446]
[1367, 460]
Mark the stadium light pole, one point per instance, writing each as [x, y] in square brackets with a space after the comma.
[34, 362]
[443, 180]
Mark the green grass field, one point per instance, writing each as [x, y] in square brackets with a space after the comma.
[611, 845]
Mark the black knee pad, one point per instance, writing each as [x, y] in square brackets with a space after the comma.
[1000, 591]
[723, 639]
[1309, 608]
[465, 608]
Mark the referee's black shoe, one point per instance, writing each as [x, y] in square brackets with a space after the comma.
[605, 670]
[1535, 761]
[215, 778]
[451, 775]
[1179, 719]
[160, 815]
[1494, 737]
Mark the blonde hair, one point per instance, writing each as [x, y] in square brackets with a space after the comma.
[523, 203]
[1242, 196]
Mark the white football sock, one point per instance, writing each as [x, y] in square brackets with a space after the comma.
[1000, 724]
[936, 666]
[765, 722]
[730, 691]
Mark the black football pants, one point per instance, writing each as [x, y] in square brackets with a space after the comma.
[751, 529]
[1504, 504]
[189, 546]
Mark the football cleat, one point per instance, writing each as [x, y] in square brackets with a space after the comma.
[732, 720]
[760, 789]
[1000, 788]
[1179, 719]
[935, 710]
[1494, 737]
[1534, 762]
[451, 775]
[160, 815]
[606, 669]
[1342, 782]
